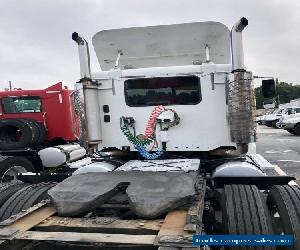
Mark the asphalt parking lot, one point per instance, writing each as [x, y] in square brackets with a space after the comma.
[280, 148]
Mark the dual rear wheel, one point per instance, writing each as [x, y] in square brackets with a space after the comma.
[284, 207]
[247, 211]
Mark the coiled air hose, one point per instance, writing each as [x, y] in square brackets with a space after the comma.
[150, 127]
[141, 142]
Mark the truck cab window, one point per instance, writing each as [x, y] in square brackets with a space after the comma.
[179, 90]
[23, 104]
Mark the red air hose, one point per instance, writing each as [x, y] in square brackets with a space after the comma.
[152, 120]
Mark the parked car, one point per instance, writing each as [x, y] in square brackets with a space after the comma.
[260, 119]
[291, 123]
[272, 120]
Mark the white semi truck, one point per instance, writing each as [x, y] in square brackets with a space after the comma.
[169, 124]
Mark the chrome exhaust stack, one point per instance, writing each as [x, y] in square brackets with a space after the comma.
[84, 56]
[87, 99]
[241, 96]
[237, 51]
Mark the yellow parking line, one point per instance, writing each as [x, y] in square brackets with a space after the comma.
[281, 172]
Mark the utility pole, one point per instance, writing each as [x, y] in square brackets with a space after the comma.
[278, 100]
[10, 86]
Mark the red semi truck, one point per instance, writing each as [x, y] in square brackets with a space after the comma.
[32, 120]
[48, 114]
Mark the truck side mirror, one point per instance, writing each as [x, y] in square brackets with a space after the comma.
[268, 88]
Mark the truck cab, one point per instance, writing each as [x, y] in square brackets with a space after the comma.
[34, 117]
[190, 76]
[30, 121]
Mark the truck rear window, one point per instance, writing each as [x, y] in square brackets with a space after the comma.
[179, 90]
[22, 104]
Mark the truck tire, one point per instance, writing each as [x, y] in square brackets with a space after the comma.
[244, 212]
[16, 133]
[24, 199]
[291, 131]
[38, 129]
[297, 129]
[8, 189]
[34, 130]
[12, 166]
[43, 133]
[285, 200]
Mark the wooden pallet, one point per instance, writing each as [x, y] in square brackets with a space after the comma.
[40, 224]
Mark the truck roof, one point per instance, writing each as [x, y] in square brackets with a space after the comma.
[18, 92]
[163, 45]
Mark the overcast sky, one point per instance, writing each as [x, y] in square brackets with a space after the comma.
[36, 49]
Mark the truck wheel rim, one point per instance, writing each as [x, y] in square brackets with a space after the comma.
[11, 174]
